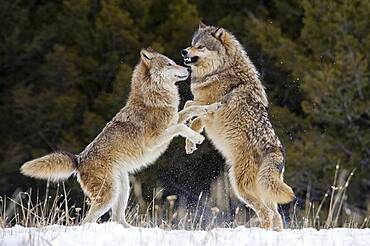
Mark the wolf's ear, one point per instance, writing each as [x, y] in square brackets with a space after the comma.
[201, 25]
[146, 55]
[150, 49]
[219, 34]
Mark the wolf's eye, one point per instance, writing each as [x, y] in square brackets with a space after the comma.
[169, 64]
[200, 47]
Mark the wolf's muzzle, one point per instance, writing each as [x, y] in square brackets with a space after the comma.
[184, 52]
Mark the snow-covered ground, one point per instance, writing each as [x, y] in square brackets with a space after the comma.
[114, 234]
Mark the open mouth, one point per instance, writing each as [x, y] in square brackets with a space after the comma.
[190, 60]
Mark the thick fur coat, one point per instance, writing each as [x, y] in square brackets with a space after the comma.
[241, 129]
[136, 136]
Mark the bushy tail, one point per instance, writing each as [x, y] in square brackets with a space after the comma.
[270, 180]
[55, 166]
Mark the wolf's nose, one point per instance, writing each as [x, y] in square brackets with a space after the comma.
[184, 52]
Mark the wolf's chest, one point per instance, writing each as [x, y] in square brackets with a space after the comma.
[217, 133]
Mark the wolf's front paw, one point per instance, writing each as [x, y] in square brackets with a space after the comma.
[214, 107]
[197, 138]
[190, 147]
[189, 103]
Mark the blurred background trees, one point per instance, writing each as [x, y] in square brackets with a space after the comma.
[65, 70]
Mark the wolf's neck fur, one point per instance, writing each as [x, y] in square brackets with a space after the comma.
[163, 102]
[150, 93]
[238, 70]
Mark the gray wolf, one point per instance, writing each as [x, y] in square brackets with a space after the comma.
[136, 136]
[221, 71]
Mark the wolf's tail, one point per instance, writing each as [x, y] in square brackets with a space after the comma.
[55, 166]
[270, 179]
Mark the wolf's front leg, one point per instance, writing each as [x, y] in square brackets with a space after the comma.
[186, 132]
[189, 103]
[190, 110]
[179, 130]
[197, 126]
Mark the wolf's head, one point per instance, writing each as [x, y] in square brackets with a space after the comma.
[161, 69]
[154, 78]
[212, 50]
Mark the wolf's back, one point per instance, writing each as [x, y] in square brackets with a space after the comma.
[54, 166]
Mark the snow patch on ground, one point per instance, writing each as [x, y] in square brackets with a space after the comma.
[115, 234]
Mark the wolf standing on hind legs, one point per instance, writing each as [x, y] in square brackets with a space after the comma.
[241, 129]
[133, 139]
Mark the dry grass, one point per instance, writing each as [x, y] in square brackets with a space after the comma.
[171, 213]
[329, 212]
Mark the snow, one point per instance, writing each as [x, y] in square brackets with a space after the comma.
[115, 234]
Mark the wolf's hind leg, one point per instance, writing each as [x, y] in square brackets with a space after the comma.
[101, 193]
[242, 183]
[270, 178]
[120, 205]
[96, 211]
[264, 214]
[276, 220]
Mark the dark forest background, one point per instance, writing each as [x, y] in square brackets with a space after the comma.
[65, 69]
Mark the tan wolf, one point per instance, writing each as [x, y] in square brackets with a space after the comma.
[222, 72]
[136, 136]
